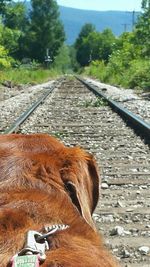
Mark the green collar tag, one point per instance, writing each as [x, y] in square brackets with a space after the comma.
[26, 261]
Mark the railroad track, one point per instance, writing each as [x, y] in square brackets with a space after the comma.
[12, 106]
[77, 117]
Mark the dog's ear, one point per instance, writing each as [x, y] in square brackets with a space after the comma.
[81, 179]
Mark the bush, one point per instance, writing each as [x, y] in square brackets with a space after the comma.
[26, 76]
[139, 74]
[97, 69]
[5, 60]
[136, 75]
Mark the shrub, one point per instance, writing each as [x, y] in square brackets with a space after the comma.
[5, 60]
[96, 69]
[139, 74]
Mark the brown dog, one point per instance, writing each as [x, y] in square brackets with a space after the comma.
[44, 183]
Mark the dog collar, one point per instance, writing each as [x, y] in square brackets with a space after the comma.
[33, 253]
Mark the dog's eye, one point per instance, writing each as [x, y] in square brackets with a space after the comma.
[71, 190]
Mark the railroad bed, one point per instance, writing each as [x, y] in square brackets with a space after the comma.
[73, 114]
[15, 101]
[134, 100]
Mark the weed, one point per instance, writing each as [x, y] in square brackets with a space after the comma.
[28, 76]
[99, 102]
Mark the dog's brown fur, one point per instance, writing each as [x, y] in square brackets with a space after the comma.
[42, 182]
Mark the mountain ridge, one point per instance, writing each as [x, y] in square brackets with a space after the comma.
[73, 19]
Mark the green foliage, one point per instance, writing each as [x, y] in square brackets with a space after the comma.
[146, 4]
[108, 42]
[99, 102]
[32, 36]
[128, 61]
[74, 64]
[10, 39]
[28, 76]
[142, 30]
[3, 5]
[97, 69]
[120, 58]
[45, 31]
[85, 31]
[94, 46]
[89, 49]
[14, 24]
[15, 16]
[63, 61]
[139, 74]
[5, 60]
[82, 46]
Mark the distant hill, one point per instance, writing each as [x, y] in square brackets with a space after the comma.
[73, 19]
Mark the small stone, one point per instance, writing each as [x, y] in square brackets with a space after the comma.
[108, 218]
[134, 170]
[129, 157]
[143, 186]
[104, 186]
[129, 210]
[144, 250]
[127, 232]
[115, 250]
[136, 219]
[96, 217]
[126, 254]
[118, 230]
[120, 204]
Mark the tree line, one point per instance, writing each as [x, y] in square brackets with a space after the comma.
[123, 60]
[34, 34]
[38, 34]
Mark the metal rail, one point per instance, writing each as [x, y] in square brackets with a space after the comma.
[14, 127]
[141, 127]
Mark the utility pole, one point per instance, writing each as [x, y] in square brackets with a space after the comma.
[125, 26]
[133, 19]
[133, 13]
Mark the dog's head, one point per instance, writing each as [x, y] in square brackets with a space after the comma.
[43, 182]
[75, 169]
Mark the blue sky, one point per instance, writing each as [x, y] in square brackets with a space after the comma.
[103, 4]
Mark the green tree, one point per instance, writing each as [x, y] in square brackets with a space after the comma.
[72, 53]
[5, 59]
[82, 47]
[95, 46]
[9, 39]
[108, 43]
[85, 31]
[146, 4]
[89, 48]
[63, 60]
[46, 31]
[14, 23]
[142, 30]
[15, 16]
[3, 5]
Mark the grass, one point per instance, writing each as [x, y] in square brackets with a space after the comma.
[28, 76]
[135, 76]
[99, 102]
